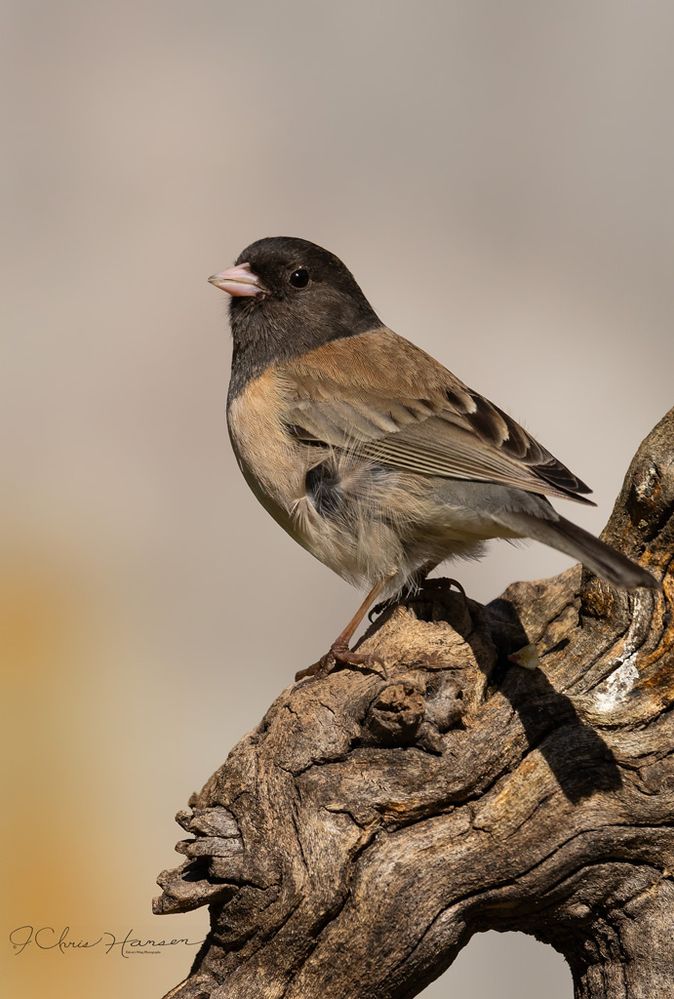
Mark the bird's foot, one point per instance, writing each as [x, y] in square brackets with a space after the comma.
[459, 586]
[340, 655]
[382, 606]
[435, 601]
[429, 601]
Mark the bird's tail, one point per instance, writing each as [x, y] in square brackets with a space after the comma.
[596, 555]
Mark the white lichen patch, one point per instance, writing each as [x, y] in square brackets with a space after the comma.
[617, 687]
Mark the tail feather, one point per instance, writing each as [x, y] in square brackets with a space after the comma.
[596, 555]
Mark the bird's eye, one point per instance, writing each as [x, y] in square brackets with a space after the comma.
[300, 278]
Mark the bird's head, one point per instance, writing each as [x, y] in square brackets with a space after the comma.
[288, 296]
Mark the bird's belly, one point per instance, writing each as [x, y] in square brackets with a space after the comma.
[358, 548]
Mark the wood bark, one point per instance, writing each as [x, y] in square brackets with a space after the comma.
[353, 843]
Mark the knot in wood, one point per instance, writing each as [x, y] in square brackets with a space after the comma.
[396, 714]
[446, 708]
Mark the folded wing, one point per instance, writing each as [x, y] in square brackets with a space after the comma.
[385, 398]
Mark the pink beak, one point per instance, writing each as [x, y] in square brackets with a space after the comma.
[238, 281]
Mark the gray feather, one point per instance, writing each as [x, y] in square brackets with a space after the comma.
[595, 554]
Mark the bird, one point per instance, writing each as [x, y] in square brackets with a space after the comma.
[370, 453]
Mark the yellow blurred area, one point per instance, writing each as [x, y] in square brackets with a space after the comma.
[498, 176]
[68, 828]
[74, 870]
[41, 641]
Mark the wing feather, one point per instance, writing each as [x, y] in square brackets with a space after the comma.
[381, 396]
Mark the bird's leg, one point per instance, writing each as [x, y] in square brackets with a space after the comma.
[339, 653]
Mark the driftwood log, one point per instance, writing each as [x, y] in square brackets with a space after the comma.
[351, 845]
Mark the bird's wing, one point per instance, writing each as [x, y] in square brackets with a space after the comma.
[380, 395]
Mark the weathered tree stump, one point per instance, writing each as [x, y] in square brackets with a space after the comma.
[351, 845]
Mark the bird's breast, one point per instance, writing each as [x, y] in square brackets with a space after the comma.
[271, 460]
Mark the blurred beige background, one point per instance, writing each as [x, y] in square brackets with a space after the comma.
[500, 179]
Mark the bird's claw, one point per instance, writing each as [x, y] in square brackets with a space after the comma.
[339, 655]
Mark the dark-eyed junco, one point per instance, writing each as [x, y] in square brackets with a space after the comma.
[365, 449]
